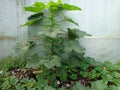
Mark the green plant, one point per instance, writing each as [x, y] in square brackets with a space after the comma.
[9, 82]
[107, 72]
[11, 62]
[59, 45]
[56, 50]
[96, 85]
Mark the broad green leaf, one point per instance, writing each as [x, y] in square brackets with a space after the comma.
[81, 34]
[99, 85]
[112, 87]
[79, 86]
[70, 7]
[72, 34]
[52, 77]
[115, 74]
[24, 47]
[33, 18]
[56, 61]
[24, 50]
[67, 46]
[70, 20]
[49, 88]
[28, 23]
[32, 61]
[71, 45]
[73, 76]
[76, 46]
[13, 80]
[51, 61]
[109, 77]
[37, 7]
[62, 73]
[31, 22]
[84, 74]
[76, 33]
[63, 77]
[19, 87]
[41, 81]
[93, 74]
[73, 60]
[116, 81]
[6, 85]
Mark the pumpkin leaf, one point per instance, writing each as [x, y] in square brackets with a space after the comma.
[37, 7]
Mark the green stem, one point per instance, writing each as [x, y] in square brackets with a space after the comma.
[52, 44]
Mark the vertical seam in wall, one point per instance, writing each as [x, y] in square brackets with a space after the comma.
[21, 16]
[17, 12]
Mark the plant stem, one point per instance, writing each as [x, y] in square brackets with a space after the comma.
[52, 44]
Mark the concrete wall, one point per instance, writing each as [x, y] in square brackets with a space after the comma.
[98, 17]
[101, 18]
[11, 17]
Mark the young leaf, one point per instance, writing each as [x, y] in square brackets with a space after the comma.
[37, 7]
[70, 20]
[70, 7]
[55, 6]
